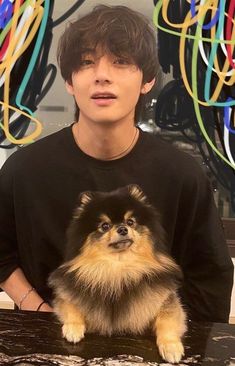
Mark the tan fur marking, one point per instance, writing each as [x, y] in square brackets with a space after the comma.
[73, 321]
[85, 198]
[137, 193]
[98, 266]
[104, 218]
[128, 215]
[170, 325]
[68, 312]
[167, 263]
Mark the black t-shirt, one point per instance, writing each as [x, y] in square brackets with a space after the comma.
[39, 187]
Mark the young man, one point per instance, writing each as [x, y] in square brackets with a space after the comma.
[108, 60]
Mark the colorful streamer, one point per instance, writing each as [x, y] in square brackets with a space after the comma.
[208, 40]
[20, 23]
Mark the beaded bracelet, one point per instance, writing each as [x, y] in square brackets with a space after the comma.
[39, 306]
[24, 296]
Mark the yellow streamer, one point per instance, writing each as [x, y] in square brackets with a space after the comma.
[11, 58]
[221, 75]
[202, 10]
[26, 139]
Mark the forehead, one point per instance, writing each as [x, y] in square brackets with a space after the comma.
[102, 50]
[114, 209]
[121, 216]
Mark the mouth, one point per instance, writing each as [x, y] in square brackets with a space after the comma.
[103, 98]
[121, 244]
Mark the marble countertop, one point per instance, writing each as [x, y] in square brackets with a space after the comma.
[30, 338]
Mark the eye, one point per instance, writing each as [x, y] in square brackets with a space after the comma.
[130, 222]
[105, 226]
[122, 61]
[86, 62]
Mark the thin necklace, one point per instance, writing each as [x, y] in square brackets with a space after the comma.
[127, 149]
[121, 153]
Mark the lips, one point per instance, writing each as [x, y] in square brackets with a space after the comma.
[103, 95]
[103, 99]
[121, 244]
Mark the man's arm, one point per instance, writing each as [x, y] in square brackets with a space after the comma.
[204, 255]
[18, 288]
[12, 278]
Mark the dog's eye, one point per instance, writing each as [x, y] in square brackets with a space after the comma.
[105, 226]
[130, 222]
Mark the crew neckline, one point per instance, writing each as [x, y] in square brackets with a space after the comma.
[106, 163]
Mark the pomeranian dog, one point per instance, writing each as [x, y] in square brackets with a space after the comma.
[117, 277]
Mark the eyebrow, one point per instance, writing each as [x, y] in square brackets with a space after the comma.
[88, 50]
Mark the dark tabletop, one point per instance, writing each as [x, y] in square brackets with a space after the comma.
[30, 338]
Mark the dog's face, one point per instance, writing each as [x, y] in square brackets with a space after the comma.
[117, 233]
[117, 222]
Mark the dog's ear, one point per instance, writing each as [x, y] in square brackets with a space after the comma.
[83, 199]
[137, 192]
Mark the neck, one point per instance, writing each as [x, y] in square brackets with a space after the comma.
[103, 141]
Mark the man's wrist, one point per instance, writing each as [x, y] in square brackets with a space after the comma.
[24, 297]
[45, 307]
[40, 305]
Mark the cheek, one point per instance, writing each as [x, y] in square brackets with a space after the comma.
[95, 246]
[133, 91]
[142, 233]
[100, 239]
[79, 87]
[69, 87]
[143, 243]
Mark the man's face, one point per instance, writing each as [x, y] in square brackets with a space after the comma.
[107, 88]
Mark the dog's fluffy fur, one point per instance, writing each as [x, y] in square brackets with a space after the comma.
[117, 276]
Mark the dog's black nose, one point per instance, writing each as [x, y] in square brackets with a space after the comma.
[122, 230]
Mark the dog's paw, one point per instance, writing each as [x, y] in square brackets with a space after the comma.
[171, 350]
[73, 332]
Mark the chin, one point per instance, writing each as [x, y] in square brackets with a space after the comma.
[108, 121]
[109, 115]
[117, 276]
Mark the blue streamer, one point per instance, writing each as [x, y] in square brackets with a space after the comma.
[33, 58]
[6, 10]
[213, 21]
[227, 118]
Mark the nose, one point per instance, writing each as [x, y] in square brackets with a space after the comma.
[103, 71]
[122, 230]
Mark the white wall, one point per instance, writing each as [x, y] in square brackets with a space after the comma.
[3, 156]
[5, 301]
[232, 312]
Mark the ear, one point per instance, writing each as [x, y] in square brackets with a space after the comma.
[69, 87]
[137, 192]
[84, 199]
[147, 86]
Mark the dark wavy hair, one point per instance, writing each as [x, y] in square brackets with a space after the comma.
[117, 30]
